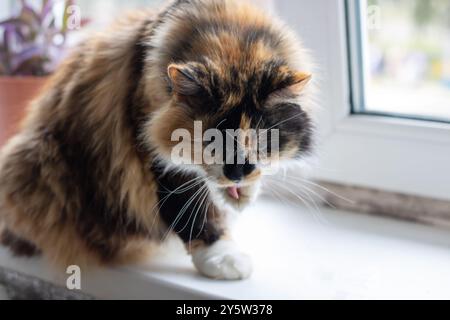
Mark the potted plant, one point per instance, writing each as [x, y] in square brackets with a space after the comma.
[32, 44]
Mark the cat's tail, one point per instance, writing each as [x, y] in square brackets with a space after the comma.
[18, 246]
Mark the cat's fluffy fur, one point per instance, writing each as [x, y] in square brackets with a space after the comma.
[86, 178]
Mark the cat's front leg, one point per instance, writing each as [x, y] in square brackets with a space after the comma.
[213, 252]
[221, 260]
[188, 209]
[203, 229]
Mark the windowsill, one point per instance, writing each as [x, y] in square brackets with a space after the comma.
[297, 255]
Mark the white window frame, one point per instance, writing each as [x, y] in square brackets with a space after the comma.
[391, 154]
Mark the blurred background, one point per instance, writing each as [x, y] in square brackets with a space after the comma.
[406, 48]
[408, 53]
[384, 79]
[399, 56]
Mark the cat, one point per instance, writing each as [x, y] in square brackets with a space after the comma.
[91, 179]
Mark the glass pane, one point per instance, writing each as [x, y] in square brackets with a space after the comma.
[408, 53]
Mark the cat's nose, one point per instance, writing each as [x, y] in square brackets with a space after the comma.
[237, 172]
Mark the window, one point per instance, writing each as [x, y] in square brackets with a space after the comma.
[374, 139]
[404, 47]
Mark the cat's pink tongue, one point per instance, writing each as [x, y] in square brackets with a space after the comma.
[233, 192]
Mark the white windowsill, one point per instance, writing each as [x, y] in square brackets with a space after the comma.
[296, 256]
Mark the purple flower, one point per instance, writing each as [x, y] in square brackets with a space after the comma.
[32, 42]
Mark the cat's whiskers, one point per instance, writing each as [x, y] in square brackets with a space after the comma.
[310, 194]
[274, 193]
[306, 190]
[205, 196]
[201, 193]
[300, 184]
[183, 211]
[220, 123]
[205, 218]
[161, 202]
[259, 123]
[318, 195]
[299, 195]
[317, 185]
[181, 189]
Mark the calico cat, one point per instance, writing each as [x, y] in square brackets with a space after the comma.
[91, 177]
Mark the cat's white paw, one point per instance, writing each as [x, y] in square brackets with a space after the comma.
[223, 261]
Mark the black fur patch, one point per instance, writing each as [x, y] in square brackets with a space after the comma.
[18, 246]
[99, 221]
[174, 196]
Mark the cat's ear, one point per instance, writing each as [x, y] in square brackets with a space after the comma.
[292, 85]
[298, 81]
[184, 79]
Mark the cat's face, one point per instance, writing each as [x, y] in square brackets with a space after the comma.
[232, 125]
